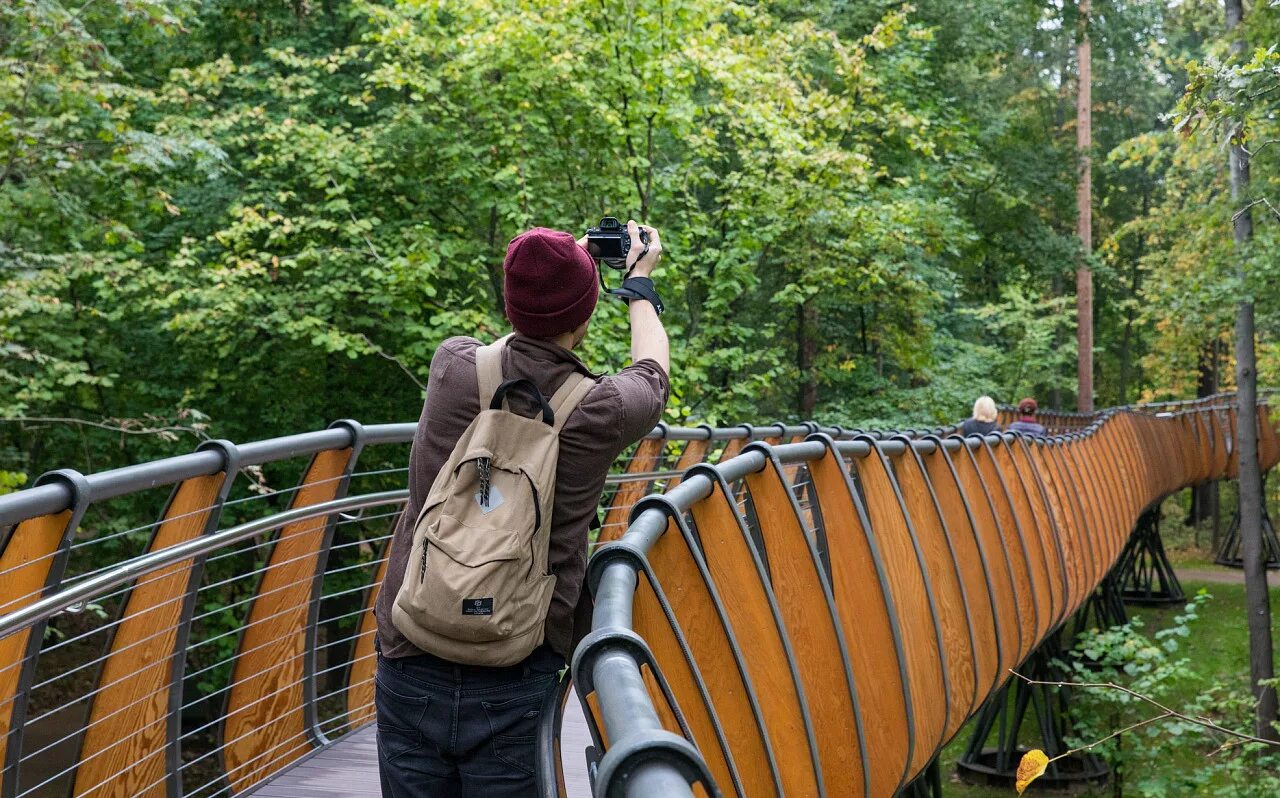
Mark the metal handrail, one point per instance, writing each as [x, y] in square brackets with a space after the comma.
[130, 570]
[608, 657]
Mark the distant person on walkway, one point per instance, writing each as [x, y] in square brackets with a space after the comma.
[983, 420]
[1026, 422]
[483, 599]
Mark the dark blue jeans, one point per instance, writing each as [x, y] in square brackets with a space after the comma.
[449, 731]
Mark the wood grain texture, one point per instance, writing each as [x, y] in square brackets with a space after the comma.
[26, 563]
[999, 562]
[1030, 536]
[863, 601]
[702, 628]
[364, 660]
[926, 525]
[808, 613]
[124, 748]
[971, 564]
[265, 728]
[646, 457]
[749, 609]
[678, 670]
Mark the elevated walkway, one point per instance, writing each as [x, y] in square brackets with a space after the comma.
[817, 600]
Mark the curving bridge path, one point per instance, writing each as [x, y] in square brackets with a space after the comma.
[817, 613]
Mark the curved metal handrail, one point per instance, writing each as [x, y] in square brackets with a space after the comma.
[645, 758]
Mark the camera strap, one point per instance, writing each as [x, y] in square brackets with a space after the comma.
[638, 288]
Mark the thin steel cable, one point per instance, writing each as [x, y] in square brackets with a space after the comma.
[180, 597]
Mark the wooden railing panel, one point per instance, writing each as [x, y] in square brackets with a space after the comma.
[914, 601]
[1030, 535]
[751, 612]
[971, 563]
[364, 658]
[999, 564]
[1044, 524]
[647, 455]
[32, 560]
[811, 620]
[697, 610]
[859, 587]
[1012, 543]
[133, 723]
[941, 565]
[266, 725]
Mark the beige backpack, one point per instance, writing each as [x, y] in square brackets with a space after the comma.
[476, 589]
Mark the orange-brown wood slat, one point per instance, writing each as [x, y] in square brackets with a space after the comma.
[1045, 525]
[750, 610]
[1064, 524]
[677, 670]
[1013, 544]
[930, 530]
[266, 729]
[1034, 543]
[695, 452]
[1109, 482]
[971, 563]
[913, 603]
[1081, 525]
[860, 591]
[999, 564]
[124, 749]
[700, 625]
[645, 459]
[1083, 474]
[809, 615]
[364, 661]
[30, 557]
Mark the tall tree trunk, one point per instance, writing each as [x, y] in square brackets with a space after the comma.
[1257, 600]
[806, 349]
[1084, 214]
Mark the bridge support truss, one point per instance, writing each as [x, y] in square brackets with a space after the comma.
[1144, 573]
[1001, 720]
[1229, 553]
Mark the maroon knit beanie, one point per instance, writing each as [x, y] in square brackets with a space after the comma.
[550, 285]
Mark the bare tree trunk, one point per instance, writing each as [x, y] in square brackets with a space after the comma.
[1257, 600]
[1084, 214]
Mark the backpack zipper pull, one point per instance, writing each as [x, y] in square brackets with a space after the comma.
[422, 565]
[483, 467]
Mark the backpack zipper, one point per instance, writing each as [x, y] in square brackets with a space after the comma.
[422, 566]
[483, 467]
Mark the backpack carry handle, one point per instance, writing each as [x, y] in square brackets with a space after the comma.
[501, 394]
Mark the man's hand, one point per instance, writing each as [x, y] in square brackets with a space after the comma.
[639, 262]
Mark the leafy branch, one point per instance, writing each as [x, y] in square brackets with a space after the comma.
[1035, 762]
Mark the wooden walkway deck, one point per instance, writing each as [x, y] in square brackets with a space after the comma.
[349, 767]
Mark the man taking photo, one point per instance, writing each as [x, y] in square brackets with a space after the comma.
[476, 617]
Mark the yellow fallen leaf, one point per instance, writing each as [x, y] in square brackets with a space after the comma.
[1031, 768]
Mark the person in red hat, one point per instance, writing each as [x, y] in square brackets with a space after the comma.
[449, 729]
[1026, 422]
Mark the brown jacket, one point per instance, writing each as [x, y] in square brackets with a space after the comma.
[618, 411]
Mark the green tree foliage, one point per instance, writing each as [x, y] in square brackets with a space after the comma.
[270, 213]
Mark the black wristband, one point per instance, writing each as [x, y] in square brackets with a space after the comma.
[640, 288]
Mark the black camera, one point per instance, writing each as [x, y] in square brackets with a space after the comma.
[610, 242]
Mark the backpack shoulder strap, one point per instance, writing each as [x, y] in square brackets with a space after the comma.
[568, 396]
[489, 369]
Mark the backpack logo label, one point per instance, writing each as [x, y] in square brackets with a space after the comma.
[477, 606]
[495, 500]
